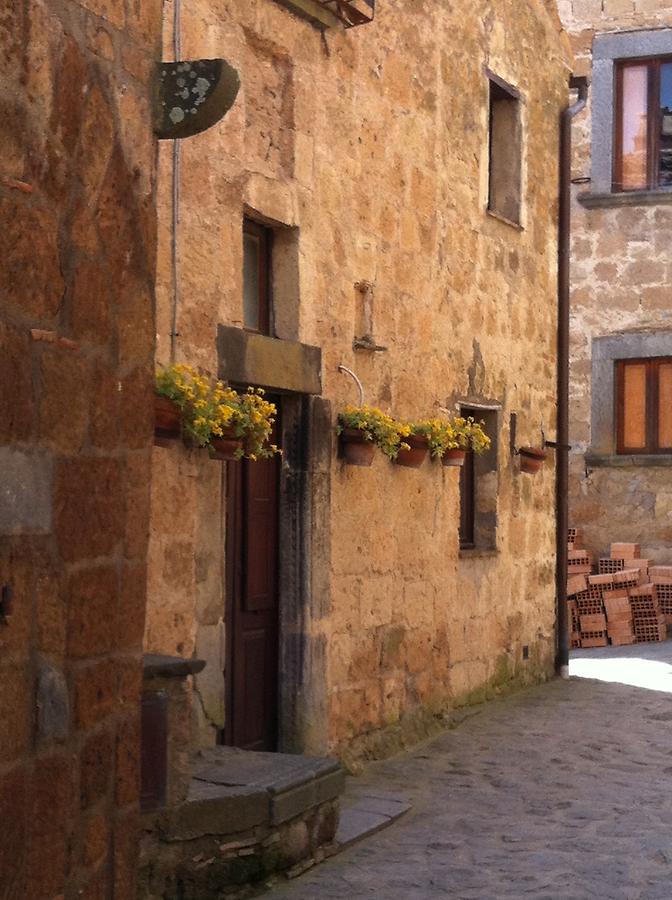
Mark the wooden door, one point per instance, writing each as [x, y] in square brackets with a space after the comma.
[252, 604]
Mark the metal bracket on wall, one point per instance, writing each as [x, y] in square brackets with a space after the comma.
[349, 372]
[351, 12]
[192, 96]
[367, 342]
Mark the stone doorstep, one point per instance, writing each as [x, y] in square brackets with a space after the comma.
[363, 815]
[235, 790]
[364, 812]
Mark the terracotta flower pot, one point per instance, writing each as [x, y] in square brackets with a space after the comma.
[454, 457]
[414, 457]
[166, 417]
[531, 459]
[354, 448]
[226, 446]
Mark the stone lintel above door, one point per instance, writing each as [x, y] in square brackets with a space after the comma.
[249, 358]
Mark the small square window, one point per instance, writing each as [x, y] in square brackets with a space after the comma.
[505, 151]
[644, 405]
[257, 244]
[643, 125]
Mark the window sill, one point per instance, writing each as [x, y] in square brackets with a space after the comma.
[598, 461]
[503, 219]
[625, 198]
[477, 553]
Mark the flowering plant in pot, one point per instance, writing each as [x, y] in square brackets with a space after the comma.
[215, 416]
[443, 440]
[449, 439]
[207, 411]
[468, 434]
[171, 393]
[413, 450]
[363, 428]
[254, 420]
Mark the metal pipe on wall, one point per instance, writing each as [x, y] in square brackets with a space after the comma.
[562, 428]
[177, 53]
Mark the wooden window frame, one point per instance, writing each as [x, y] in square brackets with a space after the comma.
[652, 447]
[653, 65]
[265, 237]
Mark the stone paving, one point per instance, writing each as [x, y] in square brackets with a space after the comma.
[562, 791]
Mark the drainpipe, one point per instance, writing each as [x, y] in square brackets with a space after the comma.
[177, 52]
[562, 431]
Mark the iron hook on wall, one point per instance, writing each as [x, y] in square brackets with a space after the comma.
[349, 372]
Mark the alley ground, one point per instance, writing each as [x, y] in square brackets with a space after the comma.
[562, 791]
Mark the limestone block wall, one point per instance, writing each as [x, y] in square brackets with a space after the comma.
[621, 278]
[77, 177]
[367, 150]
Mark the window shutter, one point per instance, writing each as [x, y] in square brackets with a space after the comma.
[634, 406]
[665, 406]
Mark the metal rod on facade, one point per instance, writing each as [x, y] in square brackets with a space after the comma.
[356, 380]
[177, 37]
[177, 53]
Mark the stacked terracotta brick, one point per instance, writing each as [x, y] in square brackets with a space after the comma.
[628, 601]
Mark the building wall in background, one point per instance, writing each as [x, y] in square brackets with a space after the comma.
[621, 277]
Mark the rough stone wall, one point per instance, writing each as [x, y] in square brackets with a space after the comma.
[77, 174]
[372, 144]
[620, 283]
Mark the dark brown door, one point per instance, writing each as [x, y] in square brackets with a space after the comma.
[252, 604]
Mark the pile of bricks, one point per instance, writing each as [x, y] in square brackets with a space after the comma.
[628, 601]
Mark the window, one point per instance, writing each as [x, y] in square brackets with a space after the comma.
[644, 405]
[643, 125]
[257, 243]
[625, 111]
[504, 171]
[479, 486]
[468, 503]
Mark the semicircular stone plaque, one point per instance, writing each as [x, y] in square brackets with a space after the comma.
[192, 96]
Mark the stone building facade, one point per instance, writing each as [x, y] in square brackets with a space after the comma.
[77, 183]
[363, 156]
[621, 277]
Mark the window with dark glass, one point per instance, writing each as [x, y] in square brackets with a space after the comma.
[257, 242]
[644, 405]
[505, 160]
[643, 157]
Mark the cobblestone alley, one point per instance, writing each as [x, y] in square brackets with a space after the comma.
[563, 791]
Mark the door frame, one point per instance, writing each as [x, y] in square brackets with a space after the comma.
[304, 597]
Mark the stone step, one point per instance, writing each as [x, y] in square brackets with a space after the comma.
[364, 814]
